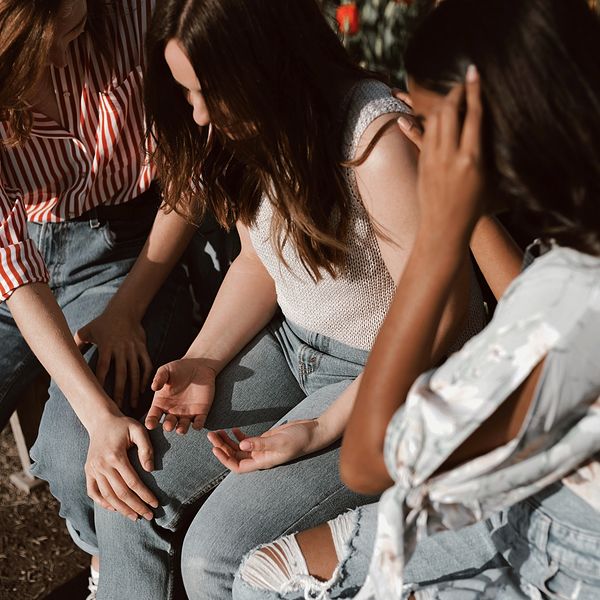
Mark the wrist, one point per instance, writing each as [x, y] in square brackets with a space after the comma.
[98, 415]
[131, 306]
[317, 438]
[204, 362]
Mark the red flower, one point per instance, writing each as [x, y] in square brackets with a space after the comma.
[348, 18]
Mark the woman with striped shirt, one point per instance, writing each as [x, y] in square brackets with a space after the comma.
[77, 202]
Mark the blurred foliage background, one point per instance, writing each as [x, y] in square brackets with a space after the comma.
[376, 32]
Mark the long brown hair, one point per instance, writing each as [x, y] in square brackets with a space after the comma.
[26, 36]
[540, 68]
[266, 70]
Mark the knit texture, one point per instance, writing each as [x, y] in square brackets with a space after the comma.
[349, 308]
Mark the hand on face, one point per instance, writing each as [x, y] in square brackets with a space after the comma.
[450, 182]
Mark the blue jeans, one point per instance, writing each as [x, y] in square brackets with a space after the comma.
[545, 547]
[285, 373]
[87, 261]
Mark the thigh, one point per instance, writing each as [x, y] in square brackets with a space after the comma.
[253, 391]
[255, 508]
[18, 366]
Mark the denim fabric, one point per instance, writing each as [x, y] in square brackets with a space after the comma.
[88, 261]
[545, 547]
[285, 373]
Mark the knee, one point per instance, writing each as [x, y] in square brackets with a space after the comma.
[60, 450]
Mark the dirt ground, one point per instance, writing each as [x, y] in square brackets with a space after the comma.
[36, 552]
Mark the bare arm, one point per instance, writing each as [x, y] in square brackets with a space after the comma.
[118, 331]
[496, 253]
[45, 329]
[246, 302]
[450, 196]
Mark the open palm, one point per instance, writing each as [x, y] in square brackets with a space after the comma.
[274, 447]
[184, 391]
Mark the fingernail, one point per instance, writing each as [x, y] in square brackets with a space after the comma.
[148, 516]
[405, 123]
[472, 74]
[148, 466]
[154, 504]
[133, 518]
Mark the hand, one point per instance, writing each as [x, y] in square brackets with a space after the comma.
[274, 447]
[407, 123]
[184, 392]
[111, 480]
[450, 180]
[121, 340]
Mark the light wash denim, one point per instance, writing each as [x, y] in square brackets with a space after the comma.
[547, 546]
[88, 261]
[285, 373]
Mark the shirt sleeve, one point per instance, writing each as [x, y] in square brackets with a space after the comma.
[20, 260]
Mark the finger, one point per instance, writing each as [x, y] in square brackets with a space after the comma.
[198, 422]
[432, 135]
[183, 425]
[126, 494]
[239, 434]
[161, 378]
[133, 365]
[153, 417]
[234, 445]
[145, 451]
[170, 422]
[248, 465]
[94, 493]
[111, 497]
[402, 96]
[147, 366]
[411, 130]
[83, 338]
[135, 484]
[449, 120]
[103, 365]
[217, 441]
[120, 365]
[258, 444]
[471, 133]
[227, 461]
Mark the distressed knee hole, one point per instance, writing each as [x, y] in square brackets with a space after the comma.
[280, 566]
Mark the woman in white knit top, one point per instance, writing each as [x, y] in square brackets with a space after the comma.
[277, 112]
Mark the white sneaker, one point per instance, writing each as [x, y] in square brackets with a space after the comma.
[92, 584]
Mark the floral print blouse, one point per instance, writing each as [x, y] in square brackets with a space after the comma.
[550, 313]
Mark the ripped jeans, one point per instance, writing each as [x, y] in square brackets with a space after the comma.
[547, 547]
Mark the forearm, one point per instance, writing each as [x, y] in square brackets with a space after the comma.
[169, 238]
[330, 426]
[498, 256]
[245, 304]
[403, 350]
[45, 329]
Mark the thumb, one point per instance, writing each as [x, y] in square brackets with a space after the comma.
[161, 378]
[83, 337]
[257, 444]
[141, 440]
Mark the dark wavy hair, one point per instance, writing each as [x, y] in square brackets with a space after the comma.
[539, 62]
[267, 70]
[26, 36]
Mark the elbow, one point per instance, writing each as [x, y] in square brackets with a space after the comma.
[365, 473]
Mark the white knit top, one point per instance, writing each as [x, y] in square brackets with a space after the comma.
[349, 308]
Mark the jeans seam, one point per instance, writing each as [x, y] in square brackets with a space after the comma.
[293, 527]
[211, 485]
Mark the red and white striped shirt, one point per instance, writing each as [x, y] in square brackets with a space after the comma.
[98, 156]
